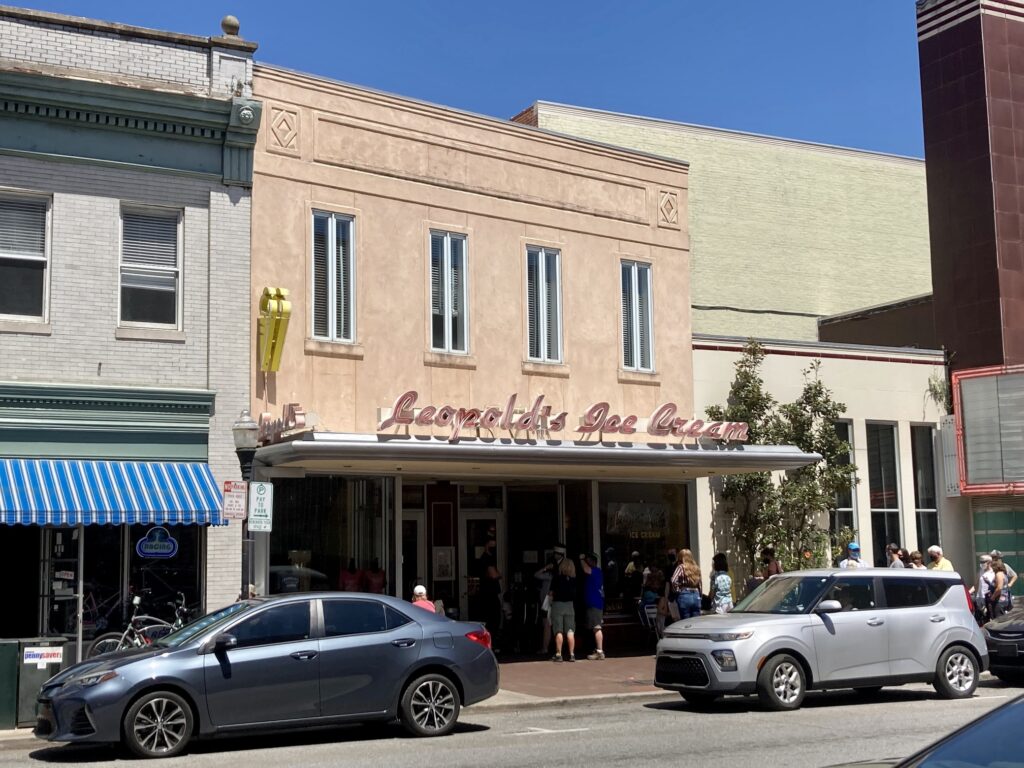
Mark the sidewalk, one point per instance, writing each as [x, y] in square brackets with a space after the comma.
[546, 683]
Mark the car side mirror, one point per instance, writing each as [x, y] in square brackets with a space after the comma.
[223, 642]
[828, 606]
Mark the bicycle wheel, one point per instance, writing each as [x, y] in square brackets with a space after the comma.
[107, 643]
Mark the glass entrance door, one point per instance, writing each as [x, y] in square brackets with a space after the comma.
[414, 551]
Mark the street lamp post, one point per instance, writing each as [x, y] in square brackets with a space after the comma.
[246, 434]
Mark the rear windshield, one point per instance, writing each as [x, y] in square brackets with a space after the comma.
[784, 594]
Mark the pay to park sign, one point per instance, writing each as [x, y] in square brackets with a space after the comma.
[261, 507]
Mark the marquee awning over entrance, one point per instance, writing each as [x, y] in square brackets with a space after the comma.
[65, 492]
[505, 457]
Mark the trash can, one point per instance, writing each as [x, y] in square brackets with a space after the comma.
[8, 684]
[39, 659]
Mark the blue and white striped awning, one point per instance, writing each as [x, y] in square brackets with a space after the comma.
[63, 492]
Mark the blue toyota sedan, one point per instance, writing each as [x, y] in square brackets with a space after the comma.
[276, 663]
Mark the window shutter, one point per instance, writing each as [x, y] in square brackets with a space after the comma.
[644, 314]
[628, 356]
[343, 270]
[551, 305]
[321, 322]
[436, 267]
[458, 311]
[23, 227]
[532, 304]
[150, 240]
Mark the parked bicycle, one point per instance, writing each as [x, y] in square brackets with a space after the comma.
[141, 630]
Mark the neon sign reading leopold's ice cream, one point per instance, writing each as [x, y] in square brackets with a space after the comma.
[541, 418]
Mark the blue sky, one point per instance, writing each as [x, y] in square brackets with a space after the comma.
[841, 73]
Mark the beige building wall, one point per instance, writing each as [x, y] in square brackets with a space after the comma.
[876, 385]
[782, 231]
[401, 168]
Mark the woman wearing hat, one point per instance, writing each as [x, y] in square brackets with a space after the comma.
[420, 599]
[852, 557]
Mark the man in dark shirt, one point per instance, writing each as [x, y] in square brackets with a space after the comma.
[593, 596]
[490, 588]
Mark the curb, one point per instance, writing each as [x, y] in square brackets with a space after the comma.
[562, 701]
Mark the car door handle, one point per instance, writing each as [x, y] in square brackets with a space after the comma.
[304, 655]
[937, 618]
[405, 642]
[876, 622]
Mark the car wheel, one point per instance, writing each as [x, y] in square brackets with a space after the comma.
[107, 643]
[430, 706]
[781, 683]
[956, 674]
[868, 690]
[159, 724]
[699, 699]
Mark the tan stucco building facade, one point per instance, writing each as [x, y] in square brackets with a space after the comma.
[439, 264]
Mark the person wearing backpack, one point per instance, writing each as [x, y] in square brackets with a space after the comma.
[999, 595]
[686, 583]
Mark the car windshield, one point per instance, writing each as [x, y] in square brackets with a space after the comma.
[992, 740]
[784, 594]
[192, 629]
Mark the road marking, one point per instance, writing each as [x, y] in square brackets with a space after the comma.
[545, 731]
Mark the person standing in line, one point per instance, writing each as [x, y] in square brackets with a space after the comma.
[420, 599]
[563, 612]
[490, 589]
[375, 578]
[982, 587]
[852, 557]
[917, 560]
[686, 583]
[543, 577]
[1010, 573]
[893, 553]
[350, 578]
[593, 597]
[721, 584]
[999, 596]
[938, 563]
[770, 566]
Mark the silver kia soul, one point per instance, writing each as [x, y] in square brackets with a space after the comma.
[827, 629]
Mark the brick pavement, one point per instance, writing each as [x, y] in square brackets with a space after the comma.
[547, 679]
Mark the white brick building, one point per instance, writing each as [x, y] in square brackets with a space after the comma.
[125, 178]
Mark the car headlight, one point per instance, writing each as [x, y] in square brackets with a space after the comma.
[95, 678]
[724, 637]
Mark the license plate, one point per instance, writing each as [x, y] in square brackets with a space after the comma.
[1007, 650]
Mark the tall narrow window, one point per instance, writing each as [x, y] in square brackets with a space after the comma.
[924, 486]
[23, 258]
[883, 479]
[333, 300]
[637, 351]
[449, 305]
[543, 305]
[150, 267]
[843, 516]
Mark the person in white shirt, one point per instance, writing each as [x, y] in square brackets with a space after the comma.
[852, 557]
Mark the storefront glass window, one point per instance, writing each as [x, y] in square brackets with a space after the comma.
[332, 533]
[640, 523]
[163, 561]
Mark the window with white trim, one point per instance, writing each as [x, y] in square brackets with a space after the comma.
[150, 267]
[843, 515]
[883, 480]
[922, 454]
[333, 301]
[543, 305]
[23, 259]
[637, 317]
[449, 305]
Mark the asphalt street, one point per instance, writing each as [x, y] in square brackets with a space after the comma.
[831, 727]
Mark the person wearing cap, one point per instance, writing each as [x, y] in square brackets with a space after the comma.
[1010, 573]
[593, 597]
[420, 599]
[893, 553]
[852, 557]
[982, 587]
[938, 563]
